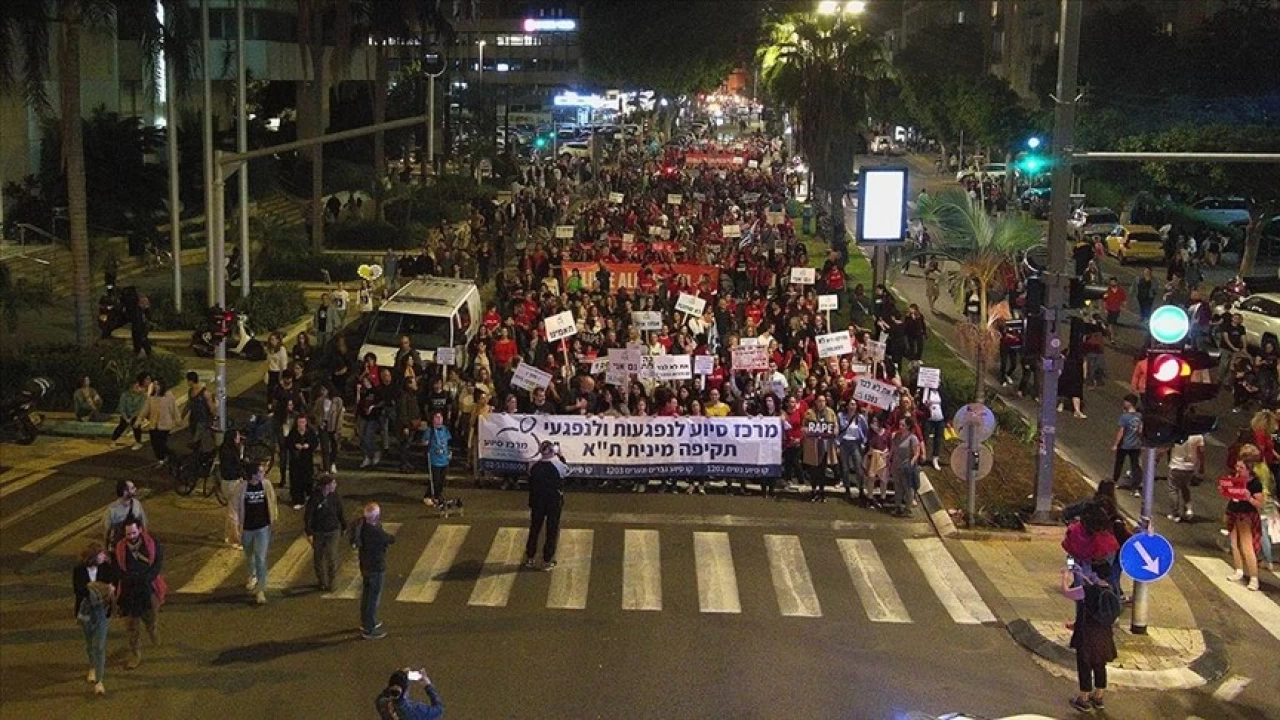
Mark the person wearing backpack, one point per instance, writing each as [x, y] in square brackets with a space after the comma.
[1097, 607]
[95, 580]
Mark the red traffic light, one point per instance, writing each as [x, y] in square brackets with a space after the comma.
[1169, 368]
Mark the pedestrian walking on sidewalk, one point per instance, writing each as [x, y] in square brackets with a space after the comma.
[323, 523]
[140, 559]
[200, 411]
[1098, 605]
[546, 501]
[162, 417]
[371, 541]
[95, 581]
[1244, 493]
[126, 507]
[933, 285]
[1127, 444]
[253, 503]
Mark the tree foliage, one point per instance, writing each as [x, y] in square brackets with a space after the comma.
[673, 47]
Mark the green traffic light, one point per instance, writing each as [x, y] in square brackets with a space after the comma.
[1033, 164]
[1169, 324]
[540, 143]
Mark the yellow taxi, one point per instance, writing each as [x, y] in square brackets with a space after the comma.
[1135, 242]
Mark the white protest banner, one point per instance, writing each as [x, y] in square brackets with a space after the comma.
[751, 357]
[749, 198]
[699, 197]
[774, 218]
[615, 198]
[446, 356]
[835, 344]
[560, 326]
[819, 428]
[610, 447]
[929, 378]
[876, 348]
[528, 377]
[876, 393]
[626, 360]
[690, 304]
[503, 197]
[738, 160]
[704, 364]
[675, 199]
[599, 365]
[644, 320]
[753, 164]
[656, 230]
[564, 232]
[672, 367]
[828, 302]
[731, 231]
[803, 276]
[628, 238]
[616, 376]
[859, 368]
[750, 342]
[646, 368]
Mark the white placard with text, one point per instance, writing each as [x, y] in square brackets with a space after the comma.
[835, 344]
[560, 326]
[804, 276]
[690, 304]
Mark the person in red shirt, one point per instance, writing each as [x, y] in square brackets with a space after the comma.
[792, 439]
[491, 319]
[755, 309]
[1113, 300]
[504, 349]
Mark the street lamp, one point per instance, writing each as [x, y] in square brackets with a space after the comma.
[482, 43]
[855, 7]
[852, 7]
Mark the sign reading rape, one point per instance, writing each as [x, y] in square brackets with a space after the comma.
[608, 447]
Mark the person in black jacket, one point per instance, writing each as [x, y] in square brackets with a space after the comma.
[546, 500]
[323, 522]
[369, 537]
[302, 443]
[94, 567]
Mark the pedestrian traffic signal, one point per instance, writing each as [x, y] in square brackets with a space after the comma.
[1169, 324]
[1173, 387]
[540, 142]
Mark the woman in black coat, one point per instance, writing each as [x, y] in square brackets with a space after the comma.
[1092, 636]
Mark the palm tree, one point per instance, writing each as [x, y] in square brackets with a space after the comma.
[981, 247]
[822, 67]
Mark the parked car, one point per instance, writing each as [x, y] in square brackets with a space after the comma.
[1223, 211]
[1036, 201]
[1261, 313]
[995, 171]
[1135, 242]
[1092, 222]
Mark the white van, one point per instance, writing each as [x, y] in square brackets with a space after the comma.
[434, 312]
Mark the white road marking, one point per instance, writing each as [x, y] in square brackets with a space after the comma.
[81, 525]
[717, 583]
[571, 577]
[1256, 604]
[49, 501]
[347, 583]
[791, 579]
[641, 570]
[425, 579]
[870, 578]
[501, 566]
[1231, 688]
[214, 572]
[20, 482]
[14, 473]
[285, 572]
[949, 583]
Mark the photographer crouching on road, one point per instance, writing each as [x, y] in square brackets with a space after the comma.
[394, 703]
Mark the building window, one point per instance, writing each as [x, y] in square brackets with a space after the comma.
[960, 17]
[1168, 28]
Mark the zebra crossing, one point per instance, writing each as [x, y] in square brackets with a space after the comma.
[722, 566]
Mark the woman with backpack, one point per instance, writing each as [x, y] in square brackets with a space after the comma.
[95, 580]
[1097, 607]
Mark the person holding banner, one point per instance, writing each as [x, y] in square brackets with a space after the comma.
[819, 451]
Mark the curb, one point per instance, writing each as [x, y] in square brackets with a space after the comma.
[1209, 667]
[938, 516]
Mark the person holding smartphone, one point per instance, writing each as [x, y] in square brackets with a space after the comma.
[546, 500]
[394, 700]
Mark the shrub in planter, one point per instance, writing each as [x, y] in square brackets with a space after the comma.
[367, 235]
[272, 307]
[164, 317]
[110, 366]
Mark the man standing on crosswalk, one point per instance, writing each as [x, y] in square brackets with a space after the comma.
[323, 522]
[371, 540]
[546, 500]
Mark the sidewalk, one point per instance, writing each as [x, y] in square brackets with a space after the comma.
[1175, 654]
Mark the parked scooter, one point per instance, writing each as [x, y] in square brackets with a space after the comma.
[20, 419]
[240, 342]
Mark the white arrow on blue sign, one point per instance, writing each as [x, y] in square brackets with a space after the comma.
[1146, 557]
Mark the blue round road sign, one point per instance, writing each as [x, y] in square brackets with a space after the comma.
[1146, 558]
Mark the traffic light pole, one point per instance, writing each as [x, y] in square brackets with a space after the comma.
[1056, 272]
[1141, 596]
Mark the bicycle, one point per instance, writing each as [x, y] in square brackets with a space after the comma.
[157, 257]
[193, 469]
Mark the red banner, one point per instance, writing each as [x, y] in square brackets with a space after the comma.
[714, 160]
[627, 275]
